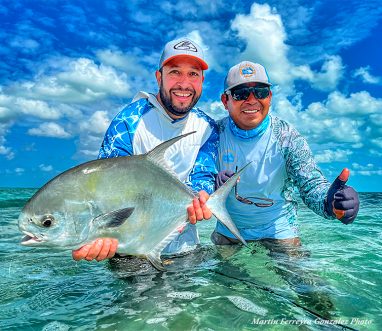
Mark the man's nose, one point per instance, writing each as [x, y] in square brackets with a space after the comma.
[251, 98]
[183, 80]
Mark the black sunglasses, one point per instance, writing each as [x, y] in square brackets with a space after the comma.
[242, 93]
[248, 200]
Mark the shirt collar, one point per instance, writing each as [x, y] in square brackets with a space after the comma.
[248, 134]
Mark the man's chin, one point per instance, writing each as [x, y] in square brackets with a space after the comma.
[182, 108]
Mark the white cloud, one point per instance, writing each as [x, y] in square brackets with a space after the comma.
[97, 123]
[26, 44]
[36, 108]
[366, 77]
[264, 26]
[339, 119]
[5, 114]
[91, 134]
[12, 107]
[49, 129]
[328, 156]
[7, 152]
[46, 168]
[366, 170]
[4, 150]
[357, 166]
[136, 67]
[116, 58]
[215, 109]
[377, 142]
[327, 79]
[19, 171]
[80, 81]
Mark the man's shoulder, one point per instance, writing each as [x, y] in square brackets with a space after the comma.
[202, 116]
[133, 110]
[222, 124]
[281, 126]
[137, 106]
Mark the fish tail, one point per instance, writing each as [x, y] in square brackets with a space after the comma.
[216, 203]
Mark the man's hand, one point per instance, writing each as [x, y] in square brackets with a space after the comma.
[342, 200]
[222, 177]
[100, 249]
[199, 210]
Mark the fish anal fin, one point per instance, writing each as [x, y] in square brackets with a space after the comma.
[114, 218]
[154, 255]
[154, 258]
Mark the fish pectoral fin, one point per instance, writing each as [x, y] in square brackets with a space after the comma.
[114, 218]
[154, 258]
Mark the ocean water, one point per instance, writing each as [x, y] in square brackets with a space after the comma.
[334, 282]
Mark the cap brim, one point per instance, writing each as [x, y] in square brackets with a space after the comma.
[204, 65]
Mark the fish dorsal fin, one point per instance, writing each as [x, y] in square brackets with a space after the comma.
[156, 155]
[114, 218]
[154, 255]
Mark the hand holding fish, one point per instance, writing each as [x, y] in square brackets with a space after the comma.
[100, 249]
[199, 210]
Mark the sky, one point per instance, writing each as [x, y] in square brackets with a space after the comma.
[68, 67]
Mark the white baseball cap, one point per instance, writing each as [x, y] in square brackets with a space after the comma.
[246, 72]
[182, 47]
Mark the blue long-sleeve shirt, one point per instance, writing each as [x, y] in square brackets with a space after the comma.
[281, 161]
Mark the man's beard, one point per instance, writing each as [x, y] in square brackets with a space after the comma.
[177, 111]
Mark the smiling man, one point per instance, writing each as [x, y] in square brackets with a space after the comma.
[152, 119]
[263, 205]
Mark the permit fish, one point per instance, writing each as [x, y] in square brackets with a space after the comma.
[136, 199]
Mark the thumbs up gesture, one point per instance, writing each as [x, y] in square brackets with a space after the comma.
[342, 200]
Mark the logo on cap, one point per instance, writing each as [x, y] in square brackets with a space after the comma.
[247, 70]
[186, 46]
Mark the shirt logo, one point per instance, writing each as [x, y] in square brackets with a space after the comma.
[186, 46]
[247, 70]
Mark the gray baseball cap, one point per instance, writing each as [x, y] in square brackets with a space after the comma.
[246, 72]
[182, 47]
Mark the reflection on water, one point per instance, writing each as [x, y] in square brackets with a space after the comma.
[335, 274]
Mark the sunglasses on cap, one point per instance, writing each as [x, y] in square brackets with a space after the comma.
[242, 93]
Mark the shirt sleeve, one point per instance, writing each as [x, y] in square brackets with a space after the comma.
[202, 175]
[118, 139]
[305, 174]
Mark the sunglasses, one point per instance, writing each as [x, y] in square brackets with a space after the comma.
[242, 93]
[253, 200]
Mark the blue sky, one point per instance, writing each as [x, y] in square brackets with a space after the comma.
[68, 67]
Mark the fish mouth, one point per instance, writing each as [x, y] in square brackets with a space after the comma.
[30, 239]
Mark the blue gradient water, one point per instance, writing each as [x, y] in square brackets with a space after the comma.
[336, 276]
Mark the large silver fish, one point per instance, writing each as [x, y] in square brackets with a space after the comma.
[136, 199]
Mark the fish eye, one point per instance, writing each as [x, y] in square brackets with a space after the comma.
[47, 221]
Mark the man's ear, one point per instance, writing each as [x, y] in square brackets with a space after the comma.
[158, 76]
[224, 100]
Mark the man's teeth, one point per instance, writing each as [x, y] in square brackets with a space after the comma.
[179, 94]
[250, 111]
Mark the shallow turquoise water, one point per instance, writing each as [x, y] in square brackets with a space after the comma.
[337, 275]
